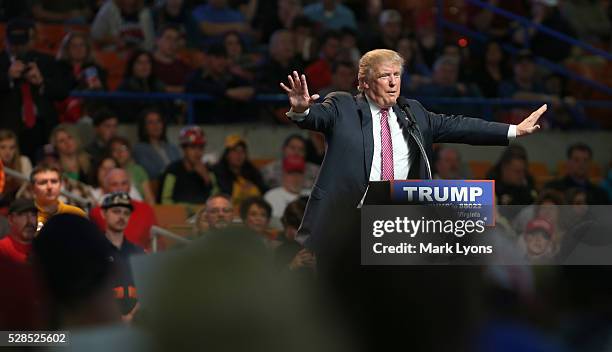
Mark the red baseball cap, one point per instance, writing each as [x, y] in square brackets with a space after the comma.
[539, 224]
[294, 163]
[191, 135]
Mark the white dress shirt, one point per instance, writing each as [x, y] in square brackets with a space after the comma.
[401, 154]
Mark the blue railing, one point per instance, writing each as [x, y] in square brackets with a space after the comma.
[487, 104]
[526, 23]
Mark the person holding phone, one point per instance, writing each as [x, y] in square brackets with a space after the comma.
[76, 61]
[30, 82]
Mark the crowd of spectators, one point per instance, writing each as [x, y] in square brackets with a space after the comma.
[248, 47]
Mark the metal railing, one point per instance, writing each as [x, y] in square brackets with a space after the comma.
[280, 99]
[157, 231]
[527, 24]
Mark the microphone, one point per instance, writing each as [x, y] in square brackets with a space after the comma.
[402, 102]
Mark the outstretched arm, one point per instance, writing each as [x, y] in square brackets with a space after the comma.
[529, 125]
[297, 91]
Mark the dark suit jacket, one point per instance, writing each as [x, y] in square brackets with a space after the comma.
[332, 218]
[55, 89]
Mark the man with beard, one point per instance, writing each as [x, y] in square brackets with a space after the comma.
[116, 211]
[219, 212]
[16, 246]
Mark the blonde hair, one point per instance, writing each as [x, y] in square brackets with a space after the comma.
[82, 156]
[16, 161]
[372, 59]
[62, 53]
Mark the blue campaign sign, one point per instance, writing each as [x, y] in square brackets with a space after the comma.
[473, 199]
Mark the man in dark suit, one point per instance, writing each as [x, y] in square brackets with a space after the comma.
[370, 137]
[29, 84]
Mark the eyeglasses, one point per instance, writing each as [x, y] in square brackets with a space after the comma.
[215, 211]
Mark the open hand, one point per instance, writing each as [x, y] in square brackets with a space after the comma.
[529, 125]
[299, 98]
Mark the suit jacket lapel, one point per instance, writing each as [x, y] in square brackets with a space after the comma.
[366, 129]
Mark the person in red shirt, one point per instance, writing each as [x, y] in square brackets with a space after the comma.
[321, 69]
[15, 247]
[138, 230]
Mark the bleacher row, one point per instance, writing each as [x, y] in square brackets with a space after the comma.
[49, 39]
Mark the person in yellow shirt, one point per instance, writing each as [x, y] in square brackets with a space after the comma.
[46, 184]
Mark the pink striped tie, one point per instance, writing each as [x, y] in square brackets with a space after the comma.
[386, 165]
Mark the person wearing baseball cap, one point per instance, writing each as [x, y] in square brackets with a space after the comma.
[116, 211]
[292, 187]
[538, 241]
[16, 246]
[33, 85]
[188, 180]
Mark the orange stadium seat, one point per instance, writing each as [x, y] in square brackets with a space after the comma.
[114, 64]
[595, 170]
[260, 163]
[479, 168]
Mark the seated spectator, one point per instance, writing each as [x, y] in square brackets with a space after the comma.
[105, 124]
[72, 12]
[280, 61]
[448, 165]
[216, 17]
[171, 71]
[547, 207]
[46, 183]
[577, 199]
[74, 161]
[343, 79]
[117, 210]
[138, 230]
[547, 14]
[188, 180]
[153, 151]
[291, 255]
[231, 92]
[235, 173]
[175, 13]
[349, 50]
[101, 168]
[579, 158]
[255, 213]
[15, 247]
[139, 78]
[319, 73]
[27, 108]
[291, 188]
[445, 83]
[304, 39]
[537, 243]
[293, 145]
[241, 63]
[491, 72]
[286, 14]
[123, 24]
[415, 72]
[512, 185]
[330, 15]
[217, 214]
[390, 22]
[11, 158]
[76, 61]
[120, 150]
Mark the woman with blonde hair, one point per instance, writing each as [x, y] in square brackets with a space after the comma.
[11, 158]
[75, 162]
[77, 63]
